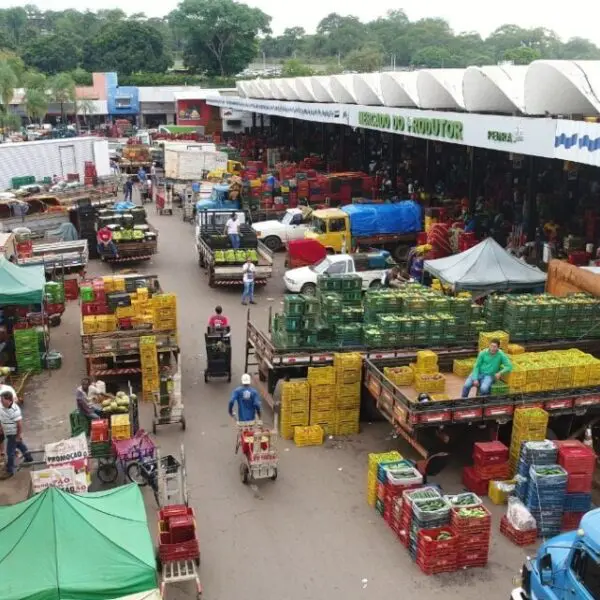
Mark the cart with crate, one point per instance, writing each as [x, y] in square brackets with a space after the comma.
[167, 402]
[259, 452]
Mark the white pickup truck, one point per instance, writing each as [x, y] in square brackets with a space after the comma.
[304, 279]
[291, 226]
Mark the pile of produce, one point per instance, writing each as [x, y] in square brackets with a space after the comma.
[116, 404]
[235, 256]
[126, 226]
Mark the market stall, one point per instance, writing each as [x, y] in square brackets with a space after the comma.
[101, 547]
[485, 268]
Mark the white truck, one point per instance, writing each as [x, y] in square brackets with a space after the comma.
[303, 280]
[277, 233]
[192, 165]
[47, 158]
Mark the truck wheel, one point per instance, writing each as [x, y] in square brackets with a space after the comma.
[273, 243]
[309, 289]
[375, 284]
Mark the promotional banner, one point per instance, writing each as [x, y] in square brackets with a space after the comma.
[577, 141]
[63, 477]
[519, 135]
[306, 111]
[67, 451]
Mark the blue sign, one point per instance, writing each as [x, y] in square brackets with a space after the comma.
[576, 141]
[121, 100]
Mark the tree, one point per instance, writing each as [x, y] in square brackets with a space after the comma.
[10, 121]
[8, 83]
[36, 104]
[367, 59]
[339, 35]
[521, 56]
[295, 68]
[33, 80]
[63, 90]
[52, 54]
[221, 35]
[432, 57]
[580, 49]
[16, 22]
[128, 47]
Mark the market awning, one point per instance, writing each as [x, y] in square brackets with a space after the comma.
[21, 285]
[61, 546]
[487, 267]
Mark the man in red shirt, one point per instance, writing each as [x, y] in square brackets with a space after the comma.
[218, 321]
[105, 242]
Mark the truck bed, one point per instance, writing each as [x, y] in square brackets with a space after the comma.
[397, 404]
[133, 250]
[59, 255]
[224, 274]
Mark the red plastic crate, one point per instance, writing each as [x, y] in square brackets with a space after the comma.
[571, 520]
[580, 483]
[174, 510]
[182, 528]
[488, 453]
[520, 538]
[498, 471]
[429, 547]
[474, 540]
[474, 483]
[444, 566]
[472, 558]
[467, 526]
[99, 431]
[576, 458]
[168, 551]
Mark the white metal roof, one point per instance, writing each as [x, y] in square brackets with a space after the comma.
[163, 93]
[544, 87]
[198, 93]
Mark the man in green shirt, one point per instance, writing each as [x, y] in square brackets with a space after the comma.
[490, 366]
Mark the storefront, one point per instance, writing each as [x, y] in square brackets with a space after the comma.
[194, 111]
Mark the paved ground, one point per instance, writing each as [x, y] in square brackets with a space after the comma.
[310, 535]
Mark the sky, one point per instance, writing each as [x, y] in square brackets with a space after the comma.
[574, 19]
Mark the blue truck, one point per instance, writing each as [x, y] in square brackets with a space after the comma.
[566, 567]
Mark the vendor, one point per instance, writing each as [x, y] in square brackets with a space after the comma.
[389, 275]
[84, 399]
[491, 364]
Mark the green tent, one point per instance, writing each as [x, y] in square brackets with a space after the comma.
[21, 285]
[61, 546]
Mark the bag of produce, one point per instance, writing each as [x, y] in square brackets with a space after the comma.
[252, 255]
[230, 256]
[519, 516]
[240, 256]
[219, 256]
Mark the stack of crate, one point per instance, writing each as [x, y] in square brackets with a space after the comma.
[322, 398]
[295, 399]
[27, 350]
[164, 308]
[348, 376]
[529, 425]
[150, 372]
[374, 461]
[486, 337]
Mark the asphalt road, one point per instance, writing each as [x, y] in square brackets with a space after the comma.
[309, 535]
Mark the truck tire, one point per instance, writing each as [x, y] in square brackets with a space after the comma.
[309, 289]
[375, 284]
[273, 243]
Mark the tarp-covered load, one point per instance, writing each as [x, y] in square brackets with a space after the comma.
[61, 546]
[384, 219]
[21, 285]
[486, 267]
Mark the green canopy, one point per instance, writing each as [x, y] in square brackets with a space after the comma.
[21, 285]
[61, 546]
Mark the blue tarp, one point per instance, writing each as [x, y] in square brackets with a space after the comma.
[374, 219]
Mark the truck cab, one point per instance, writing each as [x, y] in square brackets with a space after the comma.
[331, 228]
[567, 567]
[369, 266]
[277, 233]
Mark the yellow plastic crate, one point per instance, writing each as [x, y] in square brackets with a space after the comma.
[400, 376]
[430, 384]
[125, 312]
[311, 435]
[427, 362]
[118, 284]
[89, 325]
[317, 417]
[347, 376]
[120, 427]
[321, 375]
[295, 390]
[485, 338]
[439, 397]
[348, 390]
[514, 349]
[463, 367]
[322, 393]
[347, 360]
[497, 496]
[346, 428]
[531, 416]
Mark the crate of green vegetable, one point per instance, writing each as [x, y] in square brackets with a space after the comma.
[477, 519]
[466, 500]
[432, 509]
[548, 475]
[435, 541]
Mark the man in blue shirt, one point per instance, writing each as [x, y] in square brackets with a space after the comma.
[247, 399]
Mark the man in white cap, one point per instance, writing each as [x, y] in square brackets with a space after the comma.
[4, 371]
[247, 399]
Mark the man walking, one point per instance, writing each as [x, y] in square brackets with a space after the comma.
[248, 294]
[11, 421]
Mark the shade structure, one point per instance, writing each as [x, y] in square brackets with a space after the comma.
[61, 546]
[20, 285]
[487, 267]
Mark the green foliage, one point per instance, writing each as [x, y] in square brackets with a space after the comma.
[8, 83]
[51, 54]
[220, 36]
[62, 90]
[365, 60]
[36, 103]
[521, 55]
[295, 68]
[127, 47]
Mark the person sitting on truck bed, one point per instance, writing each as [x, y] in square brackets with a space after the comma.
[389, 275]
[232, 228]
[105, 242]
[491, 364]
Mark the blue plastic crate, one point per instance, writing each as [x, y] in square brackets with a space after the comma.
[578, 502]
